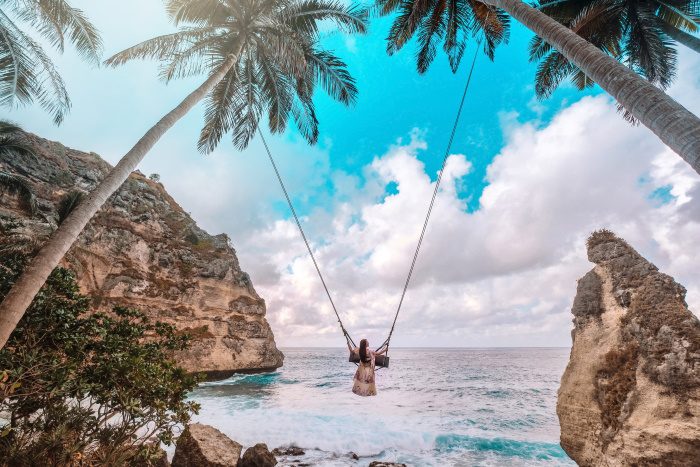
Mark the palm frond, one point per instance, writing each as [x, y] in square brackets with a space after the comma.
[18, 81]
[494, 23]
[278, 92]
[333, 76]
[162, 47]
[219, 113]
[28, 74]
[68, 203]
[431, 30]
[284, 46]
[305, 118]
[191, 61]
[19, 187]
[385, 7]
[647, 49]
[552, 70]
[51, 93]
[59, 22]
[12, 143]
[402, 29]
[201, 12]
[73, 23]
[455, 32]
[678, 18]
[8, 128]
[305, 15]
[247, 104]
[581, 80]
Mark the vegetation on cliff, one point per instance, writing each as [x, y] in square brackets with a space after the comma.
[86, 388]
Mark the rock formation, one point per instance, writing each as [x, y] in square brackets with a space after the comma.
[142, 250]
[630, 394]
[205, 446]
[258, 456]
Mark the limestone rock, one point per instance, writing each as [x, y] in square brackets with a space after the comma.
[205, 446]
[258, 456]
[630, 394]
[385, 464]
[142, 250]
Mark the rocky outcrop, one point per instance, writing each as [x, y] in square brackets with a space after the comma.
[142, 250]
[630, 395]
[205, 446]
[258, 456]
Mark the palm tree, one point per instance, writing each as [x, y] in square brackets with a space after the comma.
[26, 72]
[259, 55]
[449, 21]
[638, 33]
[670, 121]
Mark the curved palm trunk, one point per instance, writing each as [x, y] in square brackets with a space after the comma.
[32, 279]
[681, 36]
[670, 121]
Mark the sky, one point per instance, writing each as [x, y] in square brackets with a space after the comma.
[526, 182]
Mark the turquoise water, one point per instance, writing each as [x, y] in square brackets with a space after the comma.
[435, 407]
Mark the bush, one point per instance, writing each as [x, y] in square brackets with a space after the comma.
[87, 389]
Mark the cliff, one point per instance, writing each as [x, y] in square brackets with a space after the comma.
[142, 250]
[630, 394]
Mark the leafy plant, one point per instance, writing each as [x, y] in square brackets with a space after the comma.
[87, 388]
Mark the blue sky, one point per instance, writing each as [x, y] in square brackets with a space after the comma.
[506, 243]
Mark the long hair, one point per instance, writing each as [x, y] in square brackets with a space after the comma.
[363, 351]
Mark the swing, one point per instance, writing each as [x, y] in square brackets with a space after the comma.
[381, 361]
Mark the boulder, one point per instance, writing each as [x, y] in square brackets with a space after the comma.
[385, 464]
[258, 456]
[288, 451]
[205, 446]
[630, 394]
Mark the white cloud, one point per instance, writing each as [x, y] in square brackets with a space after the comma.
[502, 275]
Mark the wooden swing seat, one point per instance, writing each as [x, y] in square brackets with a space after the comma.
[379, 360]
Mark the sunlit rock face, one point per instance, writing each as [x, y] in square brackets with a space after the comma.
[142, 250]
[630, 394]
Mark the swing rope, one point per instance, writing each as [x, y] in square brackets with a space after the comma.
[432, 200]
[348, 339]
[347, 336]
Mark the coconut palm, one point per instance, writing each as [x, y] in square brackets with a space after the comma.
[452, 22]
[638, 33]
[258, 55]
[26, 72]
[669, 120]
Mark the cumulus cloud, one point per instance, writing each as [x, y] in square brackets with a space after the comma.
[504, 274]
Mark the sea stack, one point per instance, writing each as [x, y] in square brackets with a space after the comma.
[143, 250]
[630, 394]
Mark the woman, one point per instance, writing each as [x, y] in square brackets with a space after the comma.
[363, 382]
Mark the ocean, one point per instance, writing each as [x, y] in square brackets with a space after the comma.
[435, 407]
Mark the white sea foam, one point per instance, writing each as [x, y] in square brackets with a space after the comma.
[435, 407]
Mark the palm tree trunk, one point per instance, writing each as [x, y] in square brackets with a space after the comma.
[670, 121]
[681, 36]
[32, 279]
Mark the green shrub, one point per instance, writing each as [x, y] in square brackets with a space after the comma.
[80, 388]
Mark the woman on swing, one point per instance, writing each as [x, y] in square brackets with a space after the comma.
[363, 382]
